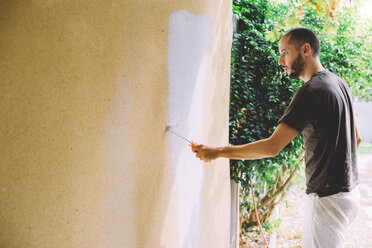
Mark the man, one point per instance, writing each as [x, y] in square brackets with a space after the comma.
[322, 110]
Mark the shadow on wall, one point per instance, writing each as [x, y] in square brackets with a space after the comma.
[215, 203]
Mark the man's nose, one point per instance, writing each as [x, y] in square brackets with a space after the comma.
[280, 61]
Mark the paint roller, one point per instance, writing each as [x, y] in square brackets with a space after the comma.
[172, 125]
[169, 128]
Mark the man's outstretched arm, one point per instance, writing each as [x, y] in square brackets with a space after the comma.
[265, 148]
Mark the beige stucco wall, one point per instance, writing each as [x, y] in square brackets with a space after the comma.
[84, 158]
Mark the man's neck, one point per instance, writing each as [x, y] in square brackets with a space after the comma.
[313, 66]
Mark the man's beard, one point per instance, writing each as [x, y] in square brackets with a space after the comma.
[297, 67]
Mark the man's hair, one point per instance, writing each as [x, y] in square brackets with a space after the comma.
[300, 36]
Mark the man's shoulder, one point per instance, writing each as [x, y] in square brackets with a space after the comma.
[324, 81]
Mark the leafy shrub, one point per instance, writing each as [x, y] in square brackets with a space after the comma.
[260, 93]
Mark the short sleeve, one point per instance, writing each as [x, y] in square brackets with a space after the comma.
[300, 111]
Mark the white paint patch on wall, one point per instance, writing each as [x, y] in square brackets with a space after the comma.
[188, 52]
[118, 213]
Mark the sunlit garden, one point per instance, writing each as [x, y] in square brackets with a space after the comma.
[260, 91]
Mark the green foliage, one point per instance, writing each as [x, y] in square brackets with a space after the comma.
[260, 93]
[365, 148]
[348, 51]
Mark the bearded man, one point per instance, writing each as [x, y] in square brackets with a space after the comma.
[322, 110]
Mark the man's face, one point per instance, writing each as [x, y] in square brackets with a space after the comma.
[290, 59]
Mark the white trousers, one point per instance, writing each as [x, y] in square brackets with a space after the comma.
[327, 219]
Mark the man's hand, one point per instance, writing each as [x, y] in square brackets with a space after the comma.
[358, 138]
[204, 153]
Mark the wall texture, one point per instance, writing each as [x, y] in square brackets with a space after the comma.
[363, 111]
[86, 91]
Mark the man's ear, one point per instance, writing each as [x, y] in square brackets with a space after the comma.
[306, 48]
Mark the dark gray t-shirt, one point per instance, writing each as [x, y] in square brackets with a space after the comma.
[322, 110]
